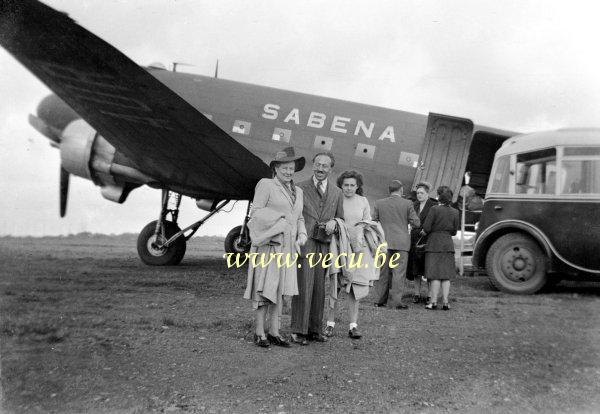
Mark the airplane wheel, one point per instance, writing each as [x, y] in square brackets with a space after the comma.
[160, 257]
[516, 264]
[234, 243]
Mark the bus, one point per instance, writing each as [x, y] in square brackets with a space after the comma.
[541, 214]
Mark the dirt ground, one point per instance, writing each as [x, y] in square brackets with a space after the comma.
[85, 327]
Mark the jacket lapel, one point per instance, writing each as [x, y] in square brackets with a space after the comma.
[284, 191]
[311, 198]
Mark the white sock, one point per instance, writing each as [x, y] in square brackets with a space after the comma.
[353, 325]
[332, 324]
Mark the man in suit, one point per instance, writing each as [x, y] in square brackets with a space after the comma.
[394, 213]
[322, 203]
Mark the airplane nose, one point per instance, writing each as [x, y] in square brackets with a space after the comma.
[55, 112]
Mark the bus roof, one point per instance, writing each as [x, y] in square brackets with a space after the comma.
[548, 139]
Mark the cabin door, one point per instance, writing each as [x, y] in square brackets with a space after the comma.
[445, 152]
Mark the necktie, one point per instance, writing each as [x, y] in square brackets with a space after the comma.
[320, 189]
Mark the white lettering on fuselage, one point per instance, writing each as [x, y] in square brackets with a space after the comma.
[338, 123]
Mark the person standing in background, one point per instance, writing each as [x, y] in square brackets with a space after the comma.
[441, 224]
[394, 213]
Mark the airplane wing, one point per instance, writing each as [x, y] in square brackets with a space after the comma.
[150, 124]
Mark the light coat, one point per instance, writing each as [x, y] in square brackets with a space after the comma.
[274, 225]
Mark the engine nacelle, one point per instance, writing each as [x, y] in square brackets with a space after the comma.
[206, 204]
[85, 153]
[76, 148]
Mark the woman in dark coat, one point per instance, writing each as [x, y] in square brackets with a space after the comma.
[416, 260]
[441, 224]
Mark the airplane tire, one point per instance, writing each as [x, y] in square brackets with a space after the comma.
[233, 242]
[516, 264]
[156, 257]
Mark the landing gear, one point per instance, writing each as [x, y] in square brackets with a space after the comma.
[238, 238]
[150, 245]
[162, 242]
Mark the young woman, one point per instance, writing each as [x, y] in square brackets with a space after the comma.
[441, 224]
[357, 215]
[276, 226]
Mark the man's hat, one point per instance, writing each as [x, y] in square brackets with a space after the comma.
[288, 155]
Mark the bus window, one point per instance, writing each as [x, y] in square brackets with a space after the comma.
[536, 172]
[501, 176]
[581, 171]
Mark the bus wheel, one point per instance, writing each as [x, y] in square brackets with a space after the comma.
[516, 264]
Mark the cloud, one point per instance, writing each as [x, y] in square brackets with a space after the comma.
[519, 65]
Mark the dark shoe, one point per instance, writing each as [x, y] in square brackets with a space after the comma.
[259, 341]
[278, 340]
[317, 337]
[354, 334]
[402, 306]
[416, 299]
[299, 339]
[328, 331]
[445, 306]
[431, 306]
[379, 305]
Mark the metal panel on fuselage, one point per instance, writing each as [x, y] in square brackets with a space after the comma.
[304, 117]
[445, 151]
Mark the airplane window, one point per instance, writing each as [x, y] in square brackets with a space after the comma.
[281, 134]
[409, 159]
[365, 151]
[323, 143]
[241, 127]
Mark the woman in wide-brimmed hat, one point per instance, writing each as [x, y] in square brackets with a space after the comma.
[276, 227]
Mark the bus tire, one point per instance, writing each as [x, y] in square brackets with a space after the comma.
[165, 257]
[516, 264]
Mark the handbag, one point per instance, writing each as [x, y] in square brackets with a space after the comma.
[319, 234]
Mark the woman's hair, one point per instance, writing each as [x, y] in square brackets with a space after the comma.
[424, 186]
[352, 174]
[444, 195]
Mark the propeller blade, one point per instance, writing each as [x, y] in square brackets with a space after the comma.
[64, 190]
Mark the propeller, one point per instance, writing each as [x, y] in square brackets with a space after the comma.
[64, 190]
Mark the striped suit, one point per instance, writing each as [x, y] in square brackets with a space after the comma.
[307, 306]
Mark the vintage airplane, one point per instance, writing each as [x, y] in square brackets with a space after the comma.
[121, 126]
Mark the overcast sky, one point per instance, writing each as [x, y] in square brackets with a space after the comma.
[517, 65]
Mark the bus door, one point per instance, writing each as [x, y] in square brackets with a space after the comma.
[445, 152]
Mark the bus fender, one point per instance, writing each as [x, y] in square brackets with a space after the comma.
[493, 232]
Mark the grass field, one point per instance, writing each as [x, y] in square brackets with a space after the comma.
[85, 327]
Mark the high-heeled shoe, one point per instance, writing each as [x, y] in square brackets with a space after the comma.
[431, 306]
[260, 341]
[278, 340]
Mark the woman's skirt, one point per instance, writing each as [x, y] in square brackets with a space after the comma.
[439, 265]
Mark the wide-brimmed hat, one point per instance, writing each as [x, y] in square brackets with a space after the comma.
[288, 155]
